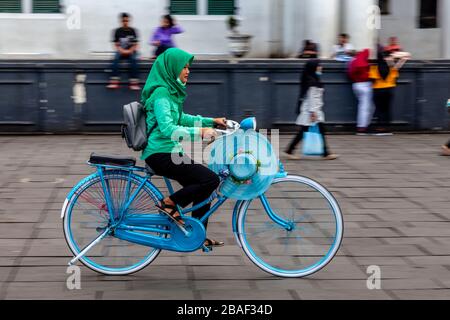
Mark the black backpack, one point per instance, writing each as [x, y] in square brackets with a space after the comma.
[134, 128]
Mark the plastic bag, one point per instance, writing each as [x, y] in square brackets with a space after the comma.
[313, 142]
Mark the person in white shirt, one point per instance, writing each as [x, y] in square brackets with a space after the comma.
[343, 51]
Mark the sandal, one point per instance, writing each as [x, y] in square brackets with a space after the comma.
[213, 243]
[162, 208]
[445, 151]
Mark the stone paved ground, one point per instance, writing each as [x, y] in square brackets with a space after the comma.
[394, 193]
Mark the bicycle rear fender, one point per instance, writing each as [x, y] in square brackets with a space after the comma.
[74, 189]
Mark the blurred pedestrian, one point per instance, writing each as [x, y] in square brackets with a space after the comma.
[446, 149]
[394, 49]
[384, 75]
[343, 51]
[162, 36]
[310, 50]
[126, 44]
[393, 46]
[362, 87]
[309, 108]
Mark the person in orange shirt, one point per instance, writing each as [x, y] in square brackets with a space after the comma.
[384, 76]
[393, 46]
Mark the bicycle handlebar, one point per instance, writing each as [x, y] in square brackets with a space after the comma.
[232, 126]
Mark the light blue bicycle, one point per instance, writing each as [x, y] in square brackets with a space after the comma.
[112, 225]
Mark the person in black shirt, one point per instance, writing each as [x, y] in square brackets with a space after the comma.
[310, 50]
[126, 44]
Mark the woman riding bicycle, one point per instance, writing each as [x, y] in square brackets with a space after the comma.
[164, 94]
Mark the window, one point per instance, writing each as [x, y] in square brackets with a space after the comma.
[202, 7]
[428, 14]
[221, 7]
[183, 7]
[30, 6]
[46, 6]
[384, 6]
[11, 6]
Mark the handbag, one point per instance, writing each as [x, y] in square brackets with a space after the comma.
[313, 142]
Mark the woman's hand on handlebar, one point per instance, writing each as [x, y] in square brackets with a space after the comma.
[220, 123]
[208, 133]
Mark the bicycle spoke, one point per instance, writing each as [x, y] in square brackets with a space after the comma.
[89, 216]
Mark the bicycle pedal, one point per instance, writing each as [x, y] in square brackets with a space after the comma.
[206, 249]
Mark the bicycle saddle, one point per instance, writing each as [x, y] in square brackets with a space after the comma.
[112, 160]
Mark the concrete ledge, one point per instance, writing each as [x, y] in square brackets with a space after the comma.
[39, 93]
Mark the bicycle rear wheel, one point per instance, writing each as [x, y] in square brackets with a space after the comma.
[313, 235]
[86, 217]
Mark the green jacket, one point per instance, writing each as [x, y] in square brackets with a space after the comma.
[173, 126]
[163, 97]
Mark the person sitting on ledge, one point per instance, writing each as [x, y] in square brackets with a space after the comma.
[309, 51]
[125, 41]
[343, 51]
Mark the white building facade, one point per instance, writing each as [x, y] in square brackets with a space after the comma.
[81, 29]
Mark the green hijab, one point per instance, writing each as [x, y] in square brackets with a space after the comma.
[164, 74]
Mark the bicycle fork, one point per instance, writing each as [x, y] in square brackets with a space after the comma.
[288, 226]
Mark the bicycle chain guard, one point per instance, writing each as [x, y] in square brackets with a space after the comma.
[177, 241]
[193, 240]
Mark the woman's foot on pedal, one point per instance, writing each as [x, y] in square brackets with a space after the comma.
[213, 243]
[171, 212]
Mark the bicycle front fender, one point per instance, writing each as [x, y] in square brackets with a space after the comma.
[236, 210]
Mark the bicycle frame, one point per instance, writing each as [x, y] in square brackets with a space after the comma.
[142, 222]
[146, 180]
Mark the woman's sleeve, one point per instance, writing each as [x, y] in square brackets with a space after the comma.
[395, 73]
[168, 126]
[177, 29]
[155, 36]
[189, 120]
[373, 73]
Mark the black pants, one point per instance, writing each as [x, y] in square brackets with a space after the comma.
[197, 180]
[383, 100]
[448, 144]
[299, 138]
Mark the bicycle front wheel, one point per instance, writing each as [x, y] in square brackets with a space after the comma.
[300, 235]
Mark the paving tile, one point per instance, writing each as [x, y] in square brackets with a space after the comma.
[436, 294]
[395, 198]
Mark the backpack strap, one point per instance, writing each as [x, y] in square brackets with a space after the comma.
[153, 128]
